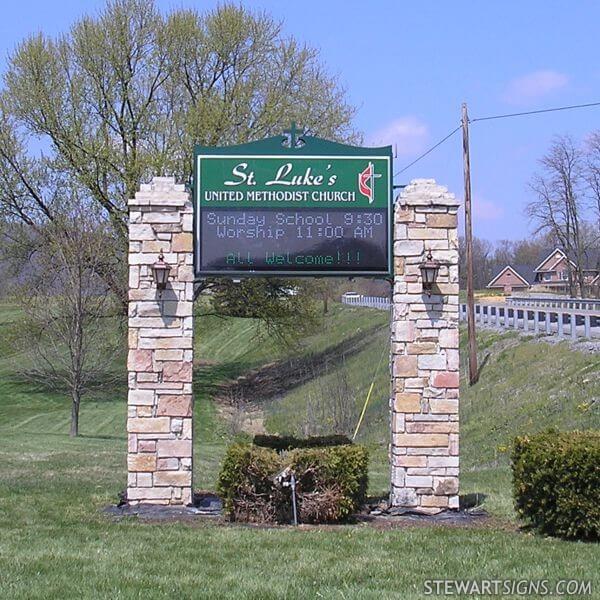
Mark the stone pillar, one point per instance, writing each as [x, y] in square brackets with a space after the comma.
[160, 358]
[425, 373]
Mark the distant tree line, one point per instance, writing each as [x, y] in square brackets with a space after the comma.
[489, 258]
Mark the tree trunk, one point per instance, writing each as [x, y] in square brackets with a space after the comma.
[74, 432]
[571, 284]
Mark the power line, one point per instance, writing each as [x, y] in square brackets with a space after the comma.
[427, 152]
[490, 118]
[535, 112]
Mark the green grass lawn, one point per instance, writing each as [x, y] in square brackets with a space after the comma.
[56, 543]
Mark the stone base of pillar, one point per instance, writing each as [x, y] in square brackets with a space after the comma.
[425, 371]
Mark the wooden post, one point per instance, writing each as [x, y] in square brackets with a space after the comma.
[472, 341]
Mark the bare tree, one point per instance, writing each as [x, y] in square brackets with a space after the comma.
[559, 204]
[331, 408]
[529, 251]
[592, 176]
[325, 289]
[483, 264]
[69, 328]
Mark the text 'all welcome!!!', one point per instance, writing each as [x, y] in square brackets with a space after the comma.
[287, 258]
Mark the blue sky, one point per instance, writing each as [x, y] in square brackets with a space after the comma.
[408, 66]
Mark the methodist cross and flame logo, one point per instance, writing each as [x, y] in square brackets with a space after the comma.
[366, 182]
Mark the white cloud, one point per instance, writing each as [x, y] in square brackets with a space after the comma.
[485, 210]
[533, 86]
[408, 134]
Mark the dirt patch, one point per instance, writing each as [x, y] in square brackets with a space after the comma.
[276, 378]
[491, 299]
[201, 362]
[245, 417]
[385, 523]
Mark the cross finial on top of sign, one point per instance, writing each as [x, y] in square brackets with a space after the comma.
[294, 134]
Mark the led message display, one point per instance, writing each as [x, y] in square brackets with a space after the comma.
[320, 209]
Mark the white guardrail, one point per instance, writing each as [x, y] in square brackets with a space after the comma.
[549, 302]
[368, 301]
[573, 317]
[564, 322]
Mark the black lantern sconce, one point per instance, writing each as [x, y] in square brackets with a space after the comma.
[160, 271]
[429, 272]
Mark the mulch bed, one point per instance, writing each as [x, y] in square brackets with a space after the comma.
[208, 508]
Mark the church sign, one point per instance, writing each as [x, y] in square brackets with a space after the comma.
[305, 207]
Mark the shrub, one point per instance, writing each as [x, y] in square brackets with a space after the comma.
[288, 442]
[246, 487]
[556, 483]
[331, 483]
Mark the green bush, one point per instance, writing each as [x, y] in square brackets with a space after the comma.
[556, 483]
[331, 483]
[289, 442]
[246, 487]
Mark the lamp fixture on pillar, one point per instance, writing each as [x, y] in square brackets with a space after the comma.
[429, 270]
[160, 271]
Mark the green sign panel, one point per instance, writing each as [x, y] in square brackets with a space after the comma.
[314, 208]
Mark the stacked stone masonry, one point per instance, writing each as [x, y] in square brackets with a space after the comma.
[160, 357]
[424, 354]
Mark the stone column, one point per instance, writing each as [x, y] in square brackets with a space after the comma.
[160, 358]
[425, 374]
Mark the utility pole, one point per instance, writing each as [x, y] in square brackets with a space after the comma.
[472, 340]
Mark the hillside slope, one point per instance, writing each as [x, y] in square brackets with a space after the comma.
[525, 385]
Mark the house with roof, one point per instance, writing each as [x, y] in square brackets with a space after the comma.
[513, 278]
[551, 273]
[553, 270]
